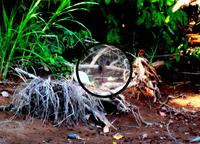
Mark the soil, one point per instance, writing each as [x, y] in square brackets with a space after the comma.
[168, 127]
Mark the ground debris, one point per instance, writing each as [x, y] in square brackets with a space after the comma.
[195, 139]
[5, 94]
[118, 136]
[144, 79]
[60, 100]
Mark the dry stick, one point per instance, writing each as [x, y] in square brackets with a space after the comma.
[158, 64]
[19, 71]
[92, 66]
[151, 69]
[190, 73]
[170, 134]
[165, 55]
[91, 41]
[98, 55]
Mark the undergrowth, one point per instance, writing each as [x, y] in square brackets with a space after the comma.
[32, 40]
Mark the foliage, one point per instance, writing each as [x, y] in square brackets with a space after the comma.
[157, 15]
[39, 39]
[195, 52]
[151, 16]
[112, 21]
[113, 35]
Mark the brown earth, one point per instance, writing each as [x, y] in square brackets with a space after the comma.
[167, 127]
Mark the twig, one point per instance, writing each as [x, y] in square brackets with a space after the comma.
[98, 55]
[190, 73]
[90, 66]
[165, 55]
[19, 71]
[158, 64]
[170, 134]
[91, 41]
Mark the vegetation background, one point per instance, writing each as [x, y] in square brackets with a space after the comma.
[49, 35]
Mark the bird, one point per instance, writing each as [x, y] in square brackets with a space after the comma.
[102, 64]
[185, 3]
[83, 77]
[101, 68]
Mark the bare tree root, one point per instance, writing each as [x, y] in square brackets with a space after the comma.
[60, 100]
[65, 101]
[145, 79]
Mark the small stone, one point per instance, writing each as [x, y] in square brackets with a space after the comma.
[162, 137]
[73, 136]
[106, 129]
[161, 126]
[144, 135]
[187, 133]
[5, 94]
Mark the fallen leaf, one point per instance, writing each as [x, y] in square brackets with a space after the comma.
[118, 136]
[144, 135]
[163, 114]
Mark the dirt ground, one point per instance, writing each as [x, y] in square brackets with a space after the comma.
[167, 127]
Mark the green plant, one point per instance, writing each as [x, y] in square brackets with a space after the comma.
[40, 40]
[113, 35]
[195, 52]
[157, 16]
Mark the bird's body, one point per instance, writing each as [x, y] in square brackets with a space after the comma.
[101, 69]
[83, 77]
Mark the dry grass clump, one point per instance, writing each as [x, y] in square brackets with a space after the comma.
[60, 100]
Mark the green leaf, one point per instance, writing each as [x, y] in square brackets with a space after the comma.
[63, 69]
[172, 49]
[140, 4]
[170, 2]
[158, 18]
[170, 30]
[148, 20]
[182, 17]
[107, 2]
[142, 18]
[161, 4]
[52, 61]
[168, 64]
[119, 1]
[177, 57]
[152, 1]
[113, 36]
[167, 20]
[167, 38]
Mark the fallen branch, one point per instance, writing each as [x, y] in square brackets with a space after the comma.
[90, 66]
[170, 134]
